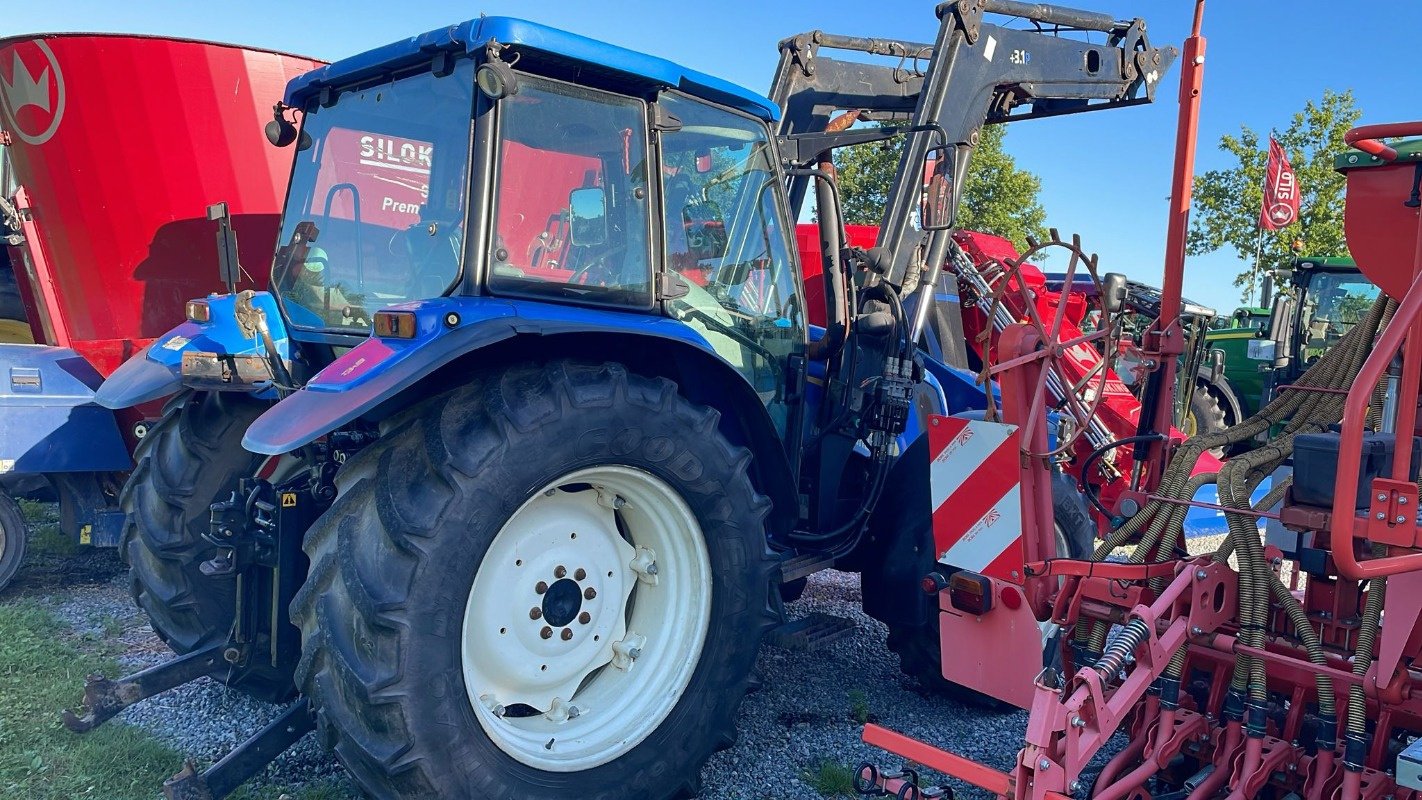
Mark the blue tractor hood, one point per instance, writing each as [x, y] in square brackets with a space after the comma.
[558, 45]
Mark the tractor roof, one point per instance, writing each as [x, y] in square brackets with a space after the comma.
[558, 45]
[1330, 263]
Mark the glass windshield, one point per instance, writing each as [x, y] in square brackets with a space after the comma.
[1333, 303]
[376, 210]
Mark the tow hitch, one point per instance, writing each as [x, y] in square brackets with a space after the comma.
[257, 533]
[104, 698]
[250, 757]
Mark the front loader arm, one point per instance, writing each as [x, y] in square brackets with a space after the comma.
[975, 73]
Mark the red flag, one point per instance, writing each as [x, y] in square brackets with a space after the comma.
[1281, 191]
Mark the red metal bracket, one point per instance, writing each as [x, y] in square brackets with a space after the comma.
[1392, 513]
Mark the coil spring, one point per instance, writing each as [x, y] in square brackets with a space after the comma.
[1121, 648]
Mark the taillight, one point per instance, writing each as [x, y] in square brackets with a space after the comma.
[197, 311]
[970, 592]
[395, 324]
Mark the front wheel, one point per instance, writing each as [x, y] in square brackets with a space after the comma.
[550, 584]
[13, 532]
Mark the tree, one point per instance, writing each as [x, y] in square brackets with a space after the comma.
[997, 197]
[1227, 201]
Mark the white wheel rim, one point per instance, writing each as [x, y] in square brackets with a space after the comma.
[564, 679]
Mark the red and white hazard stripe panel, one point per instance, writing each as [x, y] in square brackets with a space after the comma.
[975, 479]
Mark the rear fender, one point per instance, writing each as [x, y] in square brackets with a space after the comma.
[379, 369]
[156, 371]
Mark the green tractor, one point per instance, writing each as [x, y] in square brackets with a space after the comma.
[1256, 350]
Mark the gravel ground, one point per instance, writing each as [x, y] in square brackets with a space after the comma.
[801, 717]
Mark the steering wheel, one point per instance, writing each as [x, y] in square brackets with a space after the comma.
[598, 271]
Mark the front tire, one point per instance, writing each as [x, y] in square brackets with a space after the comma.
[13, 532]
[190, 459]
[458, 638]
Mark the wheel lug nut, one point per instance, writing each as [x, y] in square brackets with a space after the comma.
[585, 618]
[567, 634]
[580, 573]
[546, 633]
[559, 571]
[535, 613]
[541, 587]
[589, 593]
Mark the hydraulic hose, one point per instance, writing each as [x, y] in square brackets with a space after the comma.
[1355, 747]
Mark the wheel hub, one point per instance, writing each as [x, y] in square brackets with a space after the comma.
[562, 602]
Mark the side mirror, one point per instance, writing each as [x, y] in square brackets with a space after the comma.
[587, 216]
[705, 228]
[937, 208]
[1113, 292]
[228, 263]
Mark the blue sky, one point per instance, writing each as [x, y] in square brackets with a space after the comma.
[1105, 176]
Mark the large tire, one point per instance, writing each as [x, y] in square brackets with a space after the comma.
[1207, 415]
[13, 532]
[192, 457]
[423, 521]
[918, 646]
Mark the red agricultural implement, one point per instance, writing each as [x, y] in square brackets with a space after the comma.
[111, 149]
[1282, 669]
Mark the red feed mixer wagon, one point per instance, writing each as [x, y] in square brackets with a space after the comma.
[112, 147]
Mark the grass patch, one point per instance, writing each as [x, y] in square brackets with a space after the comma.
[830, 779]
[858, 706]
[45, 537]
[40, 673]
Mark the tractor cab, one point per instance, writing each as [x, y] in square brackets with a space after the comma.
[458, 169]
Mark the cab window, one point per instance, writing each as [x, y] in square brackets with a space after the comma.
[571, 216]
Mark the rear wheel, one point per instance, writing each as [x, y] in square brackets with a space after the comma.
[549, 584]
[192, 457]
[918, 646]
[13, 531]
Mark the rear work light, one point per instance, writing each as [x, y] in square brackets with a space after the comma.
[395, 324]
[970, 592]
[197, 311]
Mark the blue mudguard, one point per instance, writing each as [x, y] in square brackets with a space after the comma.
[156, 371]
[446, 328]
[49, 421]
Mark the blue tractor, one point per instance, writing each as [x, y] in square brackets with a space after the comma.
[506, 474]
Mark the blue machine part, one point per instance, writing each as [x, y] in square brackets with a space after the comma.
[378, 369]
[473, 35]
[157, 370]
[1209, 522]
[49, 421]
